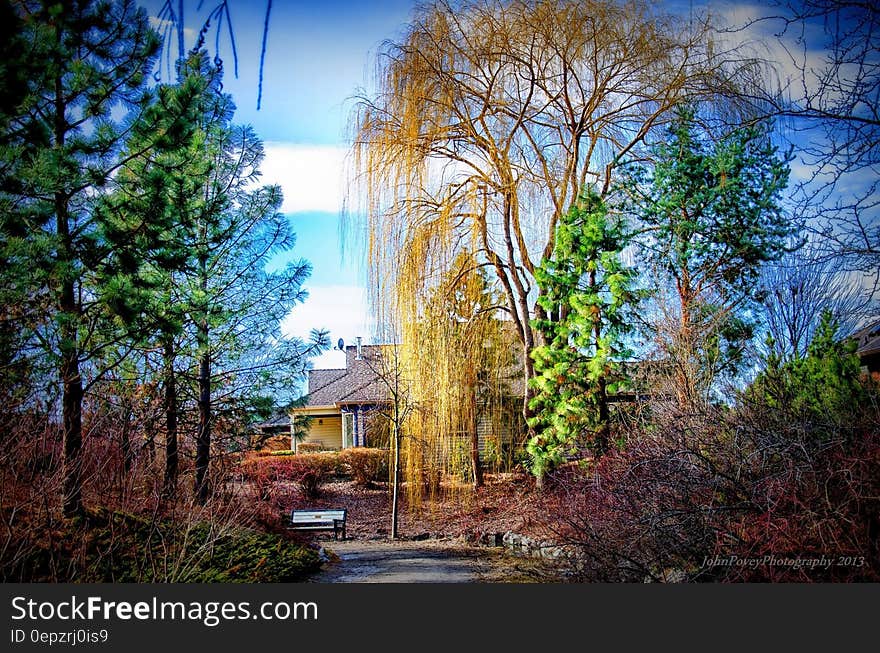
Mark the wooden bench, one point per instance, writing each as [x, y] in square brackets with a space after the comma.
[319, 520]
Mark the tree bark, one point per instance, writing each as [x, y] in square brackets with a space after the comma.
[395, 492]
[476, 463]
[604, 426]
[71, 380]
[125, 440]
[203, 435]
[170, 485]
[603, 432]
[69, 317]
[71, 406]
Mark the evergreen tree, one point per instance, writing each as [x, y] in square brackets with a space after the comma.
[711, 213]
[820, 391]
[90, 59]
[22, 305]
[587, 294]
[195, 234]
[147, 219]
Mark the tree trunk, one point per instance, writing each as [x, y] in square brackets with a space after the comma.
[395, 491]
[150, 441]
[476, 463]
[71, 406]
[71, 380]
[72, 386]
[203, 436]
[604, 426]
[685, 377]
[69, 318]
[603, 432]
[125, 437]
[170, 486]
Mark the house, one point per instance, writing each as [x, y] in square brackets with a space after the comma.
[341, 408]
[272, 434]
[868, 349]
[340, 401]
[277, 424]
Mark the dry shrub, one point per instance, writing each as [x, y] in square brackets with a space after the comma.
[810, 499]
[310, 471]
[366, 466]
[638, 515]
[261, 472]
[309, 447]
[129, 532]
[726, 495]
[277, 443]
[307, 471]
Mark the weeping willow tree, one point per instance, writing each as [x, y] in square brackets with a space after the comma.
[461, 367]
[490, 116]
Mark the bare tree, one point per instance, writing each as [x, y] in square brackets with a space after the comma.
[797, 289]
[827, 100]
[386, 365]
[489, 119]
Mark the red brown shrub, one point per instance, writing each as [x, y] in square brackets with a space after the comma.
[731, 495]
[365, 466]
[307, 471]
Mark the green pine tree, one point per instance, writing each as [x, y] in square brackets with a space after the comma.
[819, 393]
[88, 60]
[194, 235]
[587, 295]
[149, 218]
[711, 215]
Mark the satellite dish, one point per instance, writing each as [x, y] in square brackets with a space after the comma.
[340, 344]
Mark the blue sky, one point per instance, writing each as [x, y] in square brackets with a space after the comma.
[318, 55]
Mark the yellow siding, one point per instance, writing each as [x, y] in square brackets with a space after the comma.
[327, 431]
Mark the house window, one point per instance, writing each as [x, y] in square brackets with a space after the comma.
[347, 430]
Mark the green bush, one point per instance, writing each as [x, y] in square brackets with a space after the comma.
[817, 393]
[248, 556]
[365, 466]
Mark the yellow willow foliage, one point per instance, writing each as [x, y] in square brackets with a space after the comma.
[489, 118]
[457, 354]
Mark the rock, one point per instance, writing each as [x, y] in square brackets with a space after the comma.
[511, 540]
[552, 552]
[492, 539]
[524, 545]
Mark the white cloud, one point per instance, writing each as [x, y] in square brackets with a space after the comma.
[310, 176]
[761, 33]
[342, 310]
[164, 24]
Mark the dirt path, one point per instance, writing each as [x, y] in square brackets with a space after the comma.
[370, 561]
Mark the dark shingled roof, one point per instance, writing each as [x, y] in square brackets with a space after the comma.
[277, 420]
[868, 340]
[358, 383]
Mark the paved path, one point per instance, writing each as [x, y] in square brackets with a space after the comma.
[368, 561]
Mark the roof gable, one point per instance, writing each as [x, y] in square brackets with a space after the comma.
[358, 383]
[868, 340]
